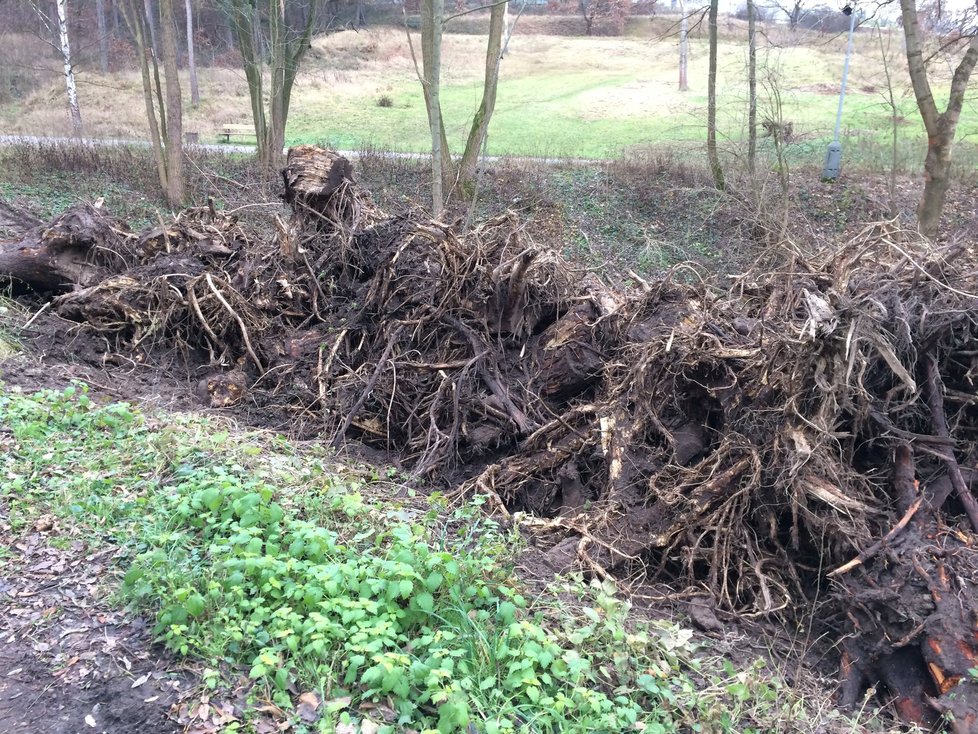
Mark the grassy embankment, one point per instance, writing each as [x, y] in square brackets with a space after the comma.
[558, 96]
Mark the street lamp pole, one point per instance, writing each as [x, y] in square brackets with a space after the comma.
[833, 157]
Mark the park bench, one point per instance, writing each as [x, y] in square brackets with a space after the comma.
[227, 131]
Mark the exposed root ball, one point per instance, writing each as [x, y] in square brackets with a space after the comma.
[766, 438]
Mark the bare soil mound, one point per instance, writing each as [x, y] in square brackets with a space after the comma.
[806, 430]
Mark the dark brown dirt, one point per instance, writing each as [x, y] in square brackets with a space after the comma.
[68, 663]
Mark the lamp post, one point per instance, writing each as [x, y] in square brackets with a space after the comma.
[833, 157]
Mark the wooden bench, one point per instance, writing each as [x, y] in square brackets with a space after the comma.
[247, 131]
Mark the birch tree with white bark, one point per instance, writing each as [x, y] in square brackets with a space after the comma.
[58, 26]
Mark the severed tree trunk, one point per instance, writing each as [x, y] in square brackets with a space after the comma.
[174, 107]
[480, 123]
[77, 248]
[683, 48]
[103, 37]
[940, 126]
[711, 102]
[73, 109]
[191, 60]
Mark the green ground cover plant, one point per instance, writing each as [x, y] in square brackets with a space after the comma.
[254, 556]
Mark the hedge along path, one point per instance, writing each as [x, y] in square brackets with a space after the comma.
[805, 430]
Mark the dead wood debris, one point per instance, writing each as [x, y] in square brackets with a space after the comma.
[748, 436]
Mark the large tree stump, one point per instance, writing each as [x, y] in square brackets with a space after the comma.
[312, 175]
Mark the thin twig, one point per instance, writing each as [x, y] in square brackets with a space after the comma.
[878, 545]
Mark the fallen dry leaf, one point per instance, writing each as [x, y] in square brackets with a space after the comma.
[308, 708]
[45, 524]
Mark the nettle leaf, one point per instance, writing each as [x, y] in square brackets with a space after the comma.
[507, 612]
[433, 581]
[212, 499]
[425, 602]
[195, 605]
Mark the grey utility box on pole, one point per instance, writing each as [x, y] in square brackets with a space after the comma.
[833, 156]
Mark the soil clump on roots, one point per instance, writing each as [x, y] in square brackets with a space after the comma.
[803, 433]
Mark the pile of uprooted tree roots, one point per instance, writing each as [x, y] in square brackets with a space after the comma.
[804, 430]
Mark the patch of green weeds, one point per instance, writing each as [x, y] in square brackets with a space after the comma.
[252, 556]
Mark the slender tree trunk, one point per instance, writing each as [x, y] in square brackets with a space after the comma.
[136, 20]
[191, 61]
[275, 140]
[73, 109]
[432, 16]
[480, 123]
[103, 37]
[751, 86]
[711, 103]
[683, 48]
[174, 106]
[242, 20]
[940, 126]
[152, 23]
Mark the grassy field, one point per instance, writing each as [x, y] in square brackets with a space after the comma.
[558, 96]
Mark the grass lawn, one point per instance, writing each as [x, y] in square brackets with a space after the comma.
[558, 96]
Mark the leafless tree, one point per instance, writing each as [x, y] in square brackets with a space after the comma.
[683, 48]
[58, 25]
[290, 25]
[711, 101]
[751, 85]
[445, 174]
[164, 116]
[940, 126]
[191, 60]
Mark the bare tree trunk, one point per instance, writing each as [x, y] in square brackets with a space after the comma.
[940, 126]
[151, 21]
[711, 102]
[103, 37]
[73, 109]
[751, 86]
[286, 45]
[480, 123]
[432, 17]
[137, 23]
[174, 107]
[683, 48]
[275, 140]
[191, 61]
